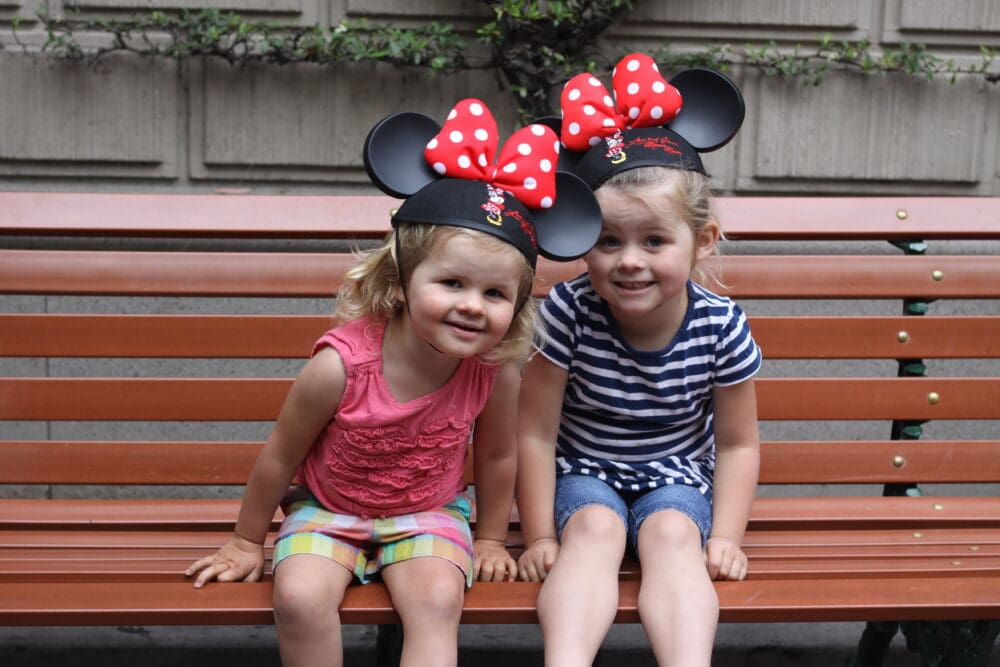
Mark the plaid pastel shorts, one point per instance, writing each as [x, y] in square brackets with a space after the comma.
[365, 546]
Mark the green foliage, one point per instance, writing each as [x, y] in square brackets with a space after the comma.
[536, 46]
[209, 32]
[812, 63]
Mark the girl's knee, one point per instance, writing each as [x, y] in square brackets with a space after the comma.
[595, 524]
[442, 600]
[306, 600]
[431, 591]
[670, 530]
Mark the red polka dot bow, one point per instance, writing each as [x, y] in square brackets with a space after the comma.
[642, 99]
[467, 143]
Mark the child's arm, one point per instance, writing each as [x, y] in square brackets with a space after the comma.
[309, 407]
[494, 466]
[539, 410]
[737, 461]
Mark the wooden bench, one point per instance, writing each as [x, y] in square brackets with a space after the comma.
[80, 369]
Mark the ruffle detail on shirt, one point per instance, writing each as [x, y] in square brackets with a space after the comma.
[383, 468]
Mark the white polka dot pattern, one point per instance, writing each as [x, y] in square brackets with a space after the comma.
[467, 144]
[642, 97]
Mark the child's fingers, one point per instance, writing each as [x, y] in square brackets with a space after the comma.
[496, 569]
[199, 565]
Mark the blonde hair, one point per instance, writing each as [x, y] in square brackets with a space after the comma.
[665, 188]
[371, 287]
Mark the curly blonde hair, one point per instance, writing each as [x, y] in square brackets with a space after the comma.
[370, 288]
[690, 192]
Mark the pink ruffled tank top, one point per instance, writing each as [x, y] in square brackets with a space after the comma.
[381, 458]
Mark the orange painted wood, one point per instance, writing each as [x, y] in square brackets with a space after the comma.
[290, 336]
[155, 399]
[290, 274]
[877, 398]
[291, 216]
[762, 600]
[891, 538]
[162, 336]
[851, 512]
[319, 275]
[127, 462]
[131, 514]
[868, 337]
[840, 218]
[226, 399]
[103, 539]
[785, 513]
[875, 462]
[197, 215]
[782, 462]
[858, 276]
[172, 273]
[759, 542]
[85, 566]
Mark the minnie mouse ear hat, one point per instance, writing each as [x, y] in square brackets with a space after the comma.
[448, 176]
[649, 121]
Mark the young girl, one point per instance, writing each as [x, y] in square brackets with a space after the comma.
[638, 416]
[367, 455]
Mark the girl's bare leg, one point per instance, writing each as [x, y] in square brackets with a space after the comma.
[308, 590]
[677, 601]
[428, 593]
[579, 598]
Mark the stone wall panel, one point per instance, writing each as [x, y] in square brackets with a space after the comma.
[868, 134]
[308, 122]
[297, 7]
[118, 118]
[964, 24]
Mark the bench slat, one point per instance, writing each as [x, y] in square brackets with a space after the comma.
[290, 336]
[83, 565]
[195, 215]
[365, 216]
[785, 462]
[855, 276]
[319, 275]
[791, 513]
[259, 399]
[290, 274]
[161, 336]
[759, 541]
[177, 603]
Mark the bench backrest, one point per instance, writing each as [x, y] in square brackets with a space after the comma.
[63, 249]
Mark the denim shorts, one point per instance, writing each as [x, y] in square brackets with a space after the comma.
[574, 492]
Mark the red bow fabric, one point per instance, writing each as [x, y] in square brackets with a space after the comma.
[643, 97]
[467, 143]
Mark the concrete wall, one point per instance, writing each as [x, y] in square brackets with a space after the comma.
[133, 124]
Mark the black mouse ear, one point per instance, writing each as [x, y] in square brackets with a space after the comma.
[568, 160]
[394, 153]
[570, 228]
[713, 109]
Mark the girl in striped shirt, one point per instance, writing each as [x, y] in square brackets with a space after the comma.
[637, 416]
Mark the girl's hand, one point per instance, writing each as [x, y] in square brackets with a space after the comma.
[536, 561]
[238, 560]
[724, 559]
[492, 562]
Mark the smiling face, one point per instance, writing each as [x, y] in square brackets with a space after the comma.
[462, 298]
[644, 258]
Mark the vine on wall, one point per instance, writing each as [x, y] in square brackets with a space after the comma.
[535, 46]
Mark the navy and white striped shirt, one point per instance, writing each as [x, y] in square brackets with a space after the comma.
[636, 419]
